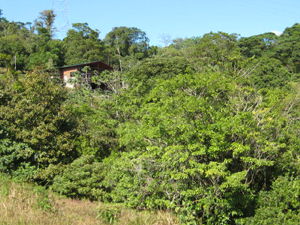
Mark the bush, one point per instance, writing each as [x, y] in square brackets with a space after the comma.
[81, 179]
[15, 160]
[110, 214]
[280, 205]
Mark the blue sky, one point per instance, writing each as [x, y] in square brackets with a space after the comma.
[166, 18]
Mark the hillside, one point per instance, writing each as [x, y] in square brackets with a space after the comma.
[206, 128]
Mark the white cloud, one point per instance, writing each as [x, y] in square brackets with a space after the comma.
[278, 33]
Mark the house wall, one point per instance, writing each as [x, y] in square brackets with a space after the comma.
[66, 75]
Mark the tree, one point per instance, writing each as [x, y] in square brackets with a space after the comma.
[202, 145]
[35, 114]
[217, 52]
[82, 44]
[82, 178]
[32, 49]
[288, 49]
[279, 205]
[268, 73]
[258, 45]
[125, 41]
[45, 53]
[5, 60]
[14, 37]
[45, 22]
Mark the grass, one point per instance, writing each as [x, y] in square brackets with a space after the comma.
[27, 204]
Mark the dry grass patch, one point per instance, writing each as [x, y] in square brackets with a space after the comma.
[25, 204]
[28, 204]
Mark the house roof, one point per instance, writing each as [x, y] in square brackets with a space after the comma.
[103, 64]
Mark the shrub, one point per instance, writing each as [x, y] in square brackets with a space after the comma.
[280, 205]
[81, 179]
[15, 160]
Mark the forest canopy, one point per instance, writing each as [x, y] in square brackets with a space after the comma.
[206, 127]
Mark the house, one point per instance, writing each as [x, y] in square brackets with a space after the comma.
[67, 72]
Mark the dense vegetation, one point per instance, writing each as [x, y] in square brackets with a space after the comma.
[207, 127]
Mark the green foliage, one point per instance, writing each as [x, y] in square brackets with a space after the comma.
[82, 44]
[202, 145]
[269, 73]
[45, 53]
[284, 48]
[146, 75]
[43, 200]
[46, 21]
[123, 42]
[34, 114]
[5, 59]
[217, 52]
[258, 45]
[206, 127]
[127, 41]
[81, 179]
[96, 114]
[279, 205]
[114, 81]
[288, 48]
[4, 186]
[110, 214]
[158, 67]
[15, 159]
[31, 48]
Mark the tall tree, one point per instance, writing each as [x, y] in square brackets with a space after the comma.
[258, 45]
[45, 21]
[82, 44]
[288, 49]
[217, 52]
[125, 41]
